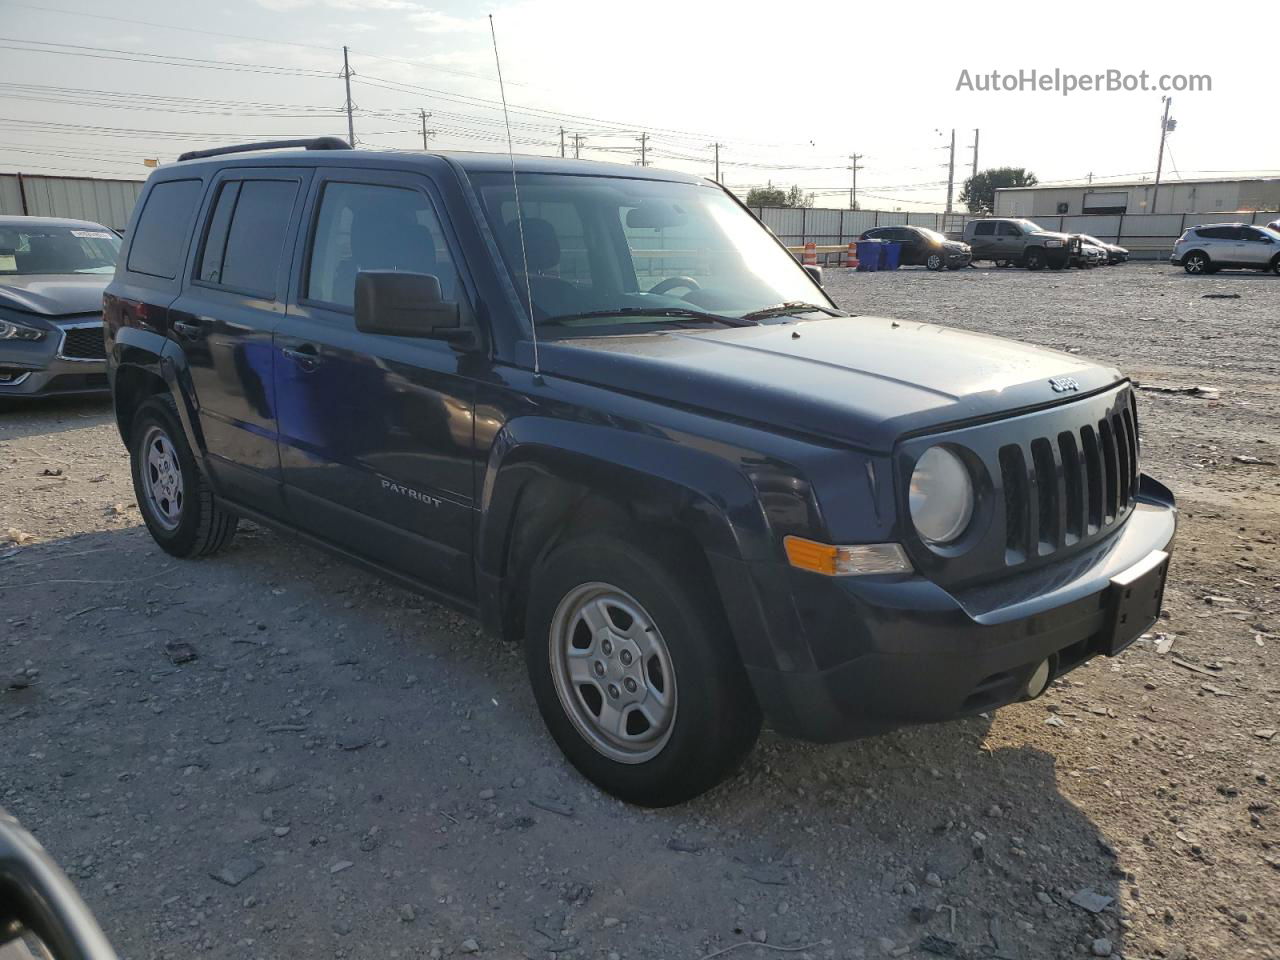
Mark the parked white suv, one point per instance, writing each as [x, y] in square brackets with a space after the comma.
[1212, 247]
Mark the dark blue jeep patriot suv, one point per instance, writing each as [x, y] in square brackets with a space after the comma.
[700, 495]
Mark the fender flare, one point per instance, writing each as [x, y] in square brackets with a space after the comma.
[160, 357]
[704, 493]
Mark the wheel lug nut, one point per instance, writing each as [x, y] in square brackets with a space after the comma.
[607, 647]
[630, 684]
[613, 691]
[598, 667]
[626, 658]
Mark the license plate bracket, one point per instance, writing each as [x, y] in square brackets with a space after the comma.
[1134, 600]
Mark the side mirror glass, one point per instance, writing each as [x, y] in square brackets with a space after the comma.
[38, 903]
[400, 304]
[814, 271]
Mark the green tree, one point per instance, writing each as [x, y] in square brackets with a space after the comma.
[771, 196]
[979, 193]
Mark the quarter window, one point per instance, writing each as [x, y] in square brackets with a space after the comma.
[363, 226]
[161, 233]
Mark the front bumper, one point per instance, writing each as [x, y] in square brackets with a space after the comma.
[41, 368]
[889, 652]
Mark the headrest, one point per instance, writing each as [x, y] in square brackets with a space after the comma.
[542, 246]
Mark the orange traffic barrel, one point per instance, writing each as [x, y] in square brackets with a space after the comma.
[811, 253]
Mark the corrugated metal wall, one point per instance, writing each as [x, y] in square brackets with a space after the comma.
[109, 202]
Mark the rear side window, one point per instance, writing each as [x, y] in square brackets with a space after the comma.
[161, 233]
[364, 226]
[246, 235]
[984, 230]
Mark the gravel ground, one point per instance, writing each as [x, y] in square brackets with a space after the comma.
[345, 770]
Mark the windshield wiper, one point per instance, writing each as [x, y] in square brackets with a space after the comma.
[791, 306]
[680, 313]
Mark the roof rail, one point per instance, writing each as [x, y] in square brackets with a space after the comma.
[313, 143]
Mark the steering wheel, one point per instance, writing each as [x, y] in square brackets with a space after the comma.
[671, 283]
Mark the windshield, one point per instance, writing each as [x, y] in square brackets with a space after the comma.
[1029, 227]
[40, 248]
[617, 248]
[933, 235]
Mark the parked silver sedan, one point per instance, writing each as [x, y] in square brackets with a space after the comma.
[52, 274]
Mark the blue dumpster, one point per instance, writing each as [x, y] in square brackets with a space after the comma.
[869, 254]
[890, 255]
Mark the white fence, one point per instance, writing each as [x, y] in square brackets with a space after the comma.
[108, 202]
[1146, 235]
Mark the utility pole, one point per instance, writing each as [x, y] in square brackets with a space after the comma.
[1090, 178]
[853, 186]
[717, 146]
[346, 76]
[425, 132]
[562, 143]
[577, 146]
[1164, 130]
[951, 170]
[644, 145]
[975, 151]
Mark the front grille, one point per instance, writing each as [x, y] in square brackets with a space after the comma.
[1069, 486]
[83, 343]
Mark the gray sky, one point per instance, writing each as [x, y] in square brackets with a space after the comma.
[788, 89]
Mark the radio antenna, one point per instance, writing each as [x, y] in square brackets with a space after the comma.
[515, 186]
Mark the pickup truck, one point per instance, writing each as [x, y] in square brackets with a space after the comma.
[603, 410]
[1022, 243]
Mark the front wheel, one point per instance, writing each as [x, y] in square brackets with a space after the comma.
[173, 496]
[934, 261]
[1275, 265]
[1196, 263]
[1033, 259]
[635, 672]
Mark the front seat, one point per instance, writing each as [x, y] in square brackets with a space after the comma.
[388, 240]
[552, 296]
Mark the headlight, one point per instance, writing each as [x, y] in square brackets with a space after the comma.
[941, 497]
[1053, 243]
[18, 331]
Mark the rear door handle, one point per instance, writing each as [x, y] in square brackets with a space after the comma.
[185, 328]
[306, 356]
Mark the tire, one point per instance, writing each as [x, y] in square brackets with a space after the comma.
[1033, 259]
[935, 261]
[658, 634]
[173, 495]
[1275, 265]
[1196, 263]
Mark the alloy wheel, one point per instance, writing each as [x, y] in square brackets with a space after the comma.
[162, 478]
[613, 672]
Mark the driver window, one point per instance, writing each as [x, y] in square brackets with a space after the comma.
[364, 226]
[1007, 230]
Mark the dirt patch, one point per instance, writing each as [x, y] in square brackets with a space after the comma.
[269, 754]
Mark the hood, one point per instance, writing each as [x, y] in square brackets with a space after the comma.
[861, 380]
[53, 295]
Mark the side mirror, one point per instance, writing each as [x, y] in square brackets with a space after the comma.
[814, 271]
[407, 305]
[38, 902]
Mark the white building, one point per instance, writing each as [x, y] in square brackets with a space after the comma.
[1175, 196]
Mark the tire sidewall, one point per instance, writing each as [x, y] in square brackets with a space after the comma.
[160, 413]
[709, 680]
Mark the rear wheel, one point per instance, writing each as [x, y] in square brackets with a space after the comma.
[1033, 259]
[1275, 264]
[173, 496]
[1196, 263]
[634, 671]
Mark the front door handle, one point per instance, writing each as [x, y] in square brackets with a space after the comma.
[185, 328]
[306, 356]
